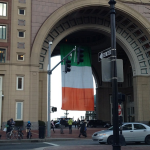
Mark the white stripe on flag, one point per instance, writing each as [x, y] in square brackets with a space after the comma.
[78, 77]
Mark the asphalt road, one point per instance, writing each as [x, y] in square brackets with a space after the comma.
[43, 145]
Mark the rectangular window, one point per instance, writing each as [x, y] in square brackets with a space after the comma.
[3, 9]
[21, 11]
[2, 32]
[19, 110]
[20, 57]
[20, 83]
[2, 55]
[21, 34]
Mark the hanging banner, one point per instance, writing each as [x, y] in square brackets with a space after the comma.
[77, 85]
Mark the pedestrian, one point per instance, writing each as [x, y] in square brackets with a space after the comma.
[75, 123]
[62, 125]
[70, 125]
[78, 123]
[9, 122]
[10, 125]
[28, 127]
[83, 129]
[53, 125]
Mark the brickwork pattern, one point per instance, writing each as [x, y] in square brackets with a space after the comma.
[41, 10]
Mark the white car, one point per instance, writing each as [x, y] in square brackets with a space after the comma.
[132, 132]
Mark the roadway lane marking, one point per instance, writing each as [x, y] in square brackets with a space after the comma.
[51, 144]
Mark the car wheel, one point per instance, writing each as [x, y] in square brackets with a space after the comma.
[147, 140]
[110, 140]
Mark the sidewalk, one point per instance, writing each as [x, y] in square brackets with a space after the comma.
[54, 136]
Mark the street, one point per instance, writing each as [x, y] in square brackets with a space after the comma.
[72, 144]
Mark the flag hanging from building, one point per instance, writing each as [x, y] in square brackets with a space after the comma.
[77, 85]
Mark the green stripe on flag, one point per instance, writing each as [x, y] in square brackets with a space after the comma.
[65, 49]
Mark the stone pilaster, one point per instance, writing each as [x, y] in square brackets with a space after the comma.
[142, 98]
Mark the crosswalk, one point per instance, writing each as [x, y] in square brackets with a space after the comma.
[42, 148]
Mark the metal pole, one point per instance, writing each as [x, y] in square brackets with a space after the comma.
[49, 94]
[116, 144]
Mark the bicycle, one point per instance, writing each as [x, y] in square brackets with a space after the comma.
[11, 134]
[20, 134]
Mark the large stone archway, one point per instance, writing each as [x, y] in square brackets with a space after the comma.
[135, 49]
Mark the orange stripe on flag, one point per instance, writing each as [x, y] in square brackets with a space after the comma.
[77, 99]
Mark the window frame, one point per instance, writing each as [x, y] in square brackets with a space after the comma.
[5, 32]
[3, 49]
[21, 9]
[21, 83]
[2, 16]
[21, 111]
[23, 33]
[18, 56]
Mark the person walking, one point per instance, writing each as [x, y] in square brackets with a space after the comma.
[83, 129]
[75, 123]
[70, 125]
[52, 125]
[62, 125]
[78, 123]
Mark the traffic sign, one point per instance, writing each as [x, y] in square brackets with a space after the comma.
[106, 70]
[104, 54]
[119, 110]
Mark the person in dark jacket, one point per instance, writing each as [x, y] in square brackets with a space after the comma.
[83, 129]
[53, 125]
[78, 123]
[62, 125]
[10, 125]
[28, 128]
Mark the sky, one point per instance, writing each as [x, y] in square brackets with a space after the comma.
[56, 94]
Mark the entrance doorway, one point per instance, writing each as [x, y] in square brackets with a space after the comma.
[130, 109]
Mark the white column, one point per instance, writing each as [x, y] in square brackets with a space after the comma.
[0, 102]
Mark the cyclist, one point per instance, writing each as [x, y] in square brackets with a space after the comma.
[28, 128]
[10, 124]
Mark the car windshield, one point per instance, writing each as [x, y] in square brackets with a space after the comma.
[111, 128]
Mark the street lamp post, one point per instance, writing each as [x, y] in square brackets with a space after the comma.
[116, 144]
[49, 78]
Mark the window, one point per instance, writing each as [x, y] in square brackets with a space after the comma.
[20, 83]
[20, 57]
[2, 32]
[127, 127]
[3, 9]
[19, 110]
[21, 11]
[138, 127]
[2, 55]
[21, 34]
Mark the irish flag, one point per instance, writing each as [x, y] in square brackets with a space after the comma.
[77, 85]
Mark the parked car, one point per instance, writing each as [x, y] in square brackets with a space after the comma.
[132, 132]
[95, 123]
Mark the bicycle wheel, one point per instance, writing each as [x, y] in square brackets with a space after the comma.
[29, 135]
[12, 136]
[8, 135]
[17, 136]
